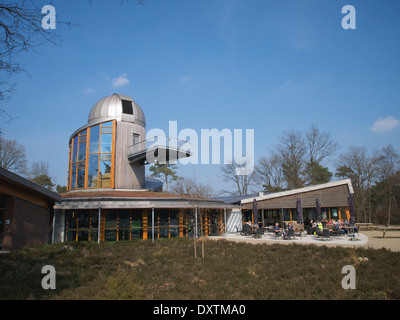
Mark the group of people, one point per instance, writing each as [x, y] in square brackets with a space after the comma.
[337, 225]
[283, 231]
[314, 227]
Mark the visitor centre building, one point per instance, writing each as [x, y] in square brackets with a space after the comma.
[109, 197]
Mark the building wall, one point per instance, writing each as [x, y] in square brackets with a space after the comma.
[29, 224]
[58, 226]
[234, 221]
[128, 176]
[329, 197]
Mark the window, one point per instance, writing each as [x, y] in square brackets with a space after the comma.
[127, 107]
[334, 214]
[135, 139]
[91, 163]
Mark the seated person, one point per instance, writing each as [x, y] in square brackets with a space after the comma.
[289, 227]
[337, 227]
[310, 227]
[318, 228]
[277, 230]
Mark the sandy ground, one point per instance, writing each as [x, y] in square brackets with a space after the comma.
[376, 240]
[366, 239]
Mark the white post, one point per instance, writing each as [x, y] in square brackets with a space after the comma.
[98, 222]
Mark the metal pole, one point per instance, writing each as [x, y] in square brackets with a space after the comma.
[152, 224]
[262, 217]
[98, 222]
[225, 220]
[195, 232]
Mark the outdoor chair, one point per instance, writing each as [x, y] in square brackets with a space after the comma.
[290, 234]
[259, 233]
[326, 234]
[318, 232]
[277, 234]
[246, 230]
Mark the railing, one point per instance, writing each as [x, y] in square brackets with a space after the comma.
[161, 144]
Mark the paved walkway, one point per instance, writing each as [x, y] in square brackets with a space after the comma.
[360, 239]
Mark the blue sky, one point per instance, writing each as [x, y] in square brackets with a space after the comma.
[265, 65]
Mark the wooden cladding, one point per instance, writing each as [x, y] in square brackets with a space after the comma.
[329, 197]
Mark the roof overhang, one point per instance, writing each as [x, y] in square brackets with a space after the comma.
[136, 200]
[17, 186]
[302, 190]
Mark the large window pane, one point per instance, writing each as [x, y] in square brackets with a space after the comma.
[105, 170]
[71, 220]
[334, 213]
[94, 224]
[81, 178]
[111, 235]
[82, 151]
[73, 176]
[83, 235]
[123, 219]
[75, 149]
[93, 170]
[83, 220]
[124, 234]
[106, 143]
[138, 233]
[94, 139]
[111, 220]
[106, 129]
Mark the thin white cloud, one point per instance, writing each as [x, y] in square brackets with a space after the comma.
[88, 90]
[383, 125]
[186, 79]
[120, 81]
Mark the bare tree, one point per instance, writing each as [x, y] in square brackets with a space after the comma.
[388, 165]
[12, 156]
[291, 152]
[21, 30]
[357, 165]
[187, 186]
[39, 168]
[269, 173]
[242, 182]
[319, 146]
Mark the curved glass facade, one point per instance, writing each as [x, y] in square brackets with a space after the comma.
[91, 157]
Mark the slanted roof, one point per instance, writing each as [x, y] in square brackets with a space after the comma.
[130, 199]
[17, 186]
[332, 194]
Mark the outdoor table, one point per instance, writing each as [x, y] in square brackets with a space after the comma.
[385, 229]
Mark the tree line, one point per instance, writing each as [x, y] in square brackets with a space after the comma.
[301, 159]
[13, 158]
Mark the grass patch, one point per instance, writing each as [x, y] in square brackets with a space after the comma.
[166, 269]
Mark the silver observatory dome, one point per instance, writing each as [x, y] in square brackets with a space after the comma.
[119, 107]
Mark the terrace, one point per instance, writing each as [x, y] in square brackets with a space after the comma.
[160, 149]
[358, 239]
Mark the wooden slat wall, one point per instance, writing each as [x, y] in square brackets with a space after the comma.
[329, 197]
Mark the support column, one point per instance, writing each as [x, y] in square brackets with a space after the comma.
[152, 224]
[145, 226]
[181, 225]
